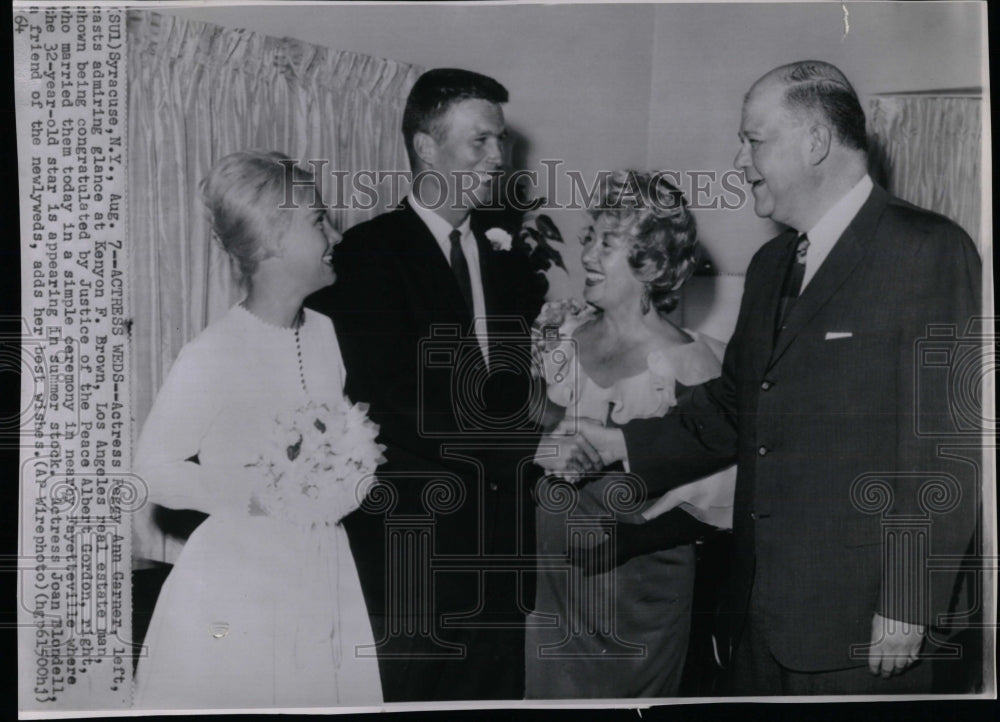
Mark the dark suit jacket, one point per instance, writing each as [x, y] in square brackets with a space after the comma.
[429, 393]
[825, 430]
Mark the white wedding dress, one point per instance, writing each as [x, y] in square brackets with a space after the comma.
[255, 613]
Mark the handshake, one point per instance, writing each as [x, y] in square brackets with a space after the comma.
[579, 446]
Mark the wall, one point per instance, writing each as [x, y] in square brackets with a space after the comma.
[579, 77]
[658, 86]
[707, 56]
[695, 106]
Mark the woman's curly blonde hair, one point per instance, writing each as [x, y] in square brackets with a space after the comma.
[652, 214]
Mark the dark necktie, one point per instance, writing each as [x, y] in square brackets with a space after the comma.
[460, 267]
[792, 286]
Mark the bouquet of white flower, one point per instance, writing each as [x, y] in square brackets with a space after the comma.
[319, 464]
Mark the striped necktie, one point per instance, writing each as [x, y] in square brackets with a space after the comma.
[792, 286]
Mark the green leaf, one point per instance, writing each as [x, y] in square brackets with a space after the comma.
[548, 229]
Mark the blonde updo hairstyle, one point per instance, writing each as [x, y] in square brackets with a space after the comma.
[244, 192]
[652, 215]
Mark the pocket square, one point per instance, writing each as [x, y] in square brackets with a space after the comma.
[833, 335]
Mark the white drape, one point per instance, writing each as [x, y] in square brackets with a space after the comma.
[929, 147]
[197, 92]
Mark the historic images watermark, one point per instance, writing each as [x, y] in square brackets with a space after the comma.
[962, 363]
[466, 432]
[553, 187]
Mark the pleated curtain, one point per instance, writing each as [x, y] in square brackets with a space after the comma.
[197, 92]
[929, 148]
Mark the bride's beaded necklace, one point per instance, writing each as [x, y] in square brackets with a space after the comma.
[298, 352]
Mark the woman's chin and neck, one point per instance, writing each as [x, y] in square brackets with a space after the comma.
[275, 300]
[627, 321]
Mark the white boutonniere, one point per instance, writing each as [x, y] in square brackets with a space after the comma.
[500, 239]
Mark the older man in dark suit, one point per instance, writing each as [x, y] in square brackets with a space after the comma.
[429, 314]
[842, 496]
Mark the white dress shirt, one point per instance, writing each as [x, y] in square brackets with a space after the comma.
[823, 236]
[441, 230]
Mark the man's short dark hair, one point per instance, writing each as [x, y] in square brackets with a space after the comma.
[819, 87]
[435, 92]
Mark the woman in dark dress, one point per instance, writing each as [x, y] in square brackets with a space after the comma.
[619, 628]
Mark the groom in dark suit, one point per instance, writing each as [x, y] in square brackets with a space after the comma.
[431, 320]
[857, 490]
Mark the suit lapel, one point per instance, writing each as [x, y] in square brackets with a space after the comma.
[847, 253]
[487, 268]
[762, 298]
[496, 286]
[430, 269]
[787, 248]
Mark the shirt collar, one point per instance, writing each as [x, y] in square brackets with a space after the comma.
[836, 220]
[438, 226]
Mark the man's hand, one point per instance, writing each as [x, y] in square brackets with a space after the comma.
[895, 645]
[581, 447]
[565, 450]
[609, 442]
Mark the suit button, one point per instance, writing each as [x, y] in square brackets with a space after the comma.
[493, 486]
[753, 515]
[762, 451]
[766, 385]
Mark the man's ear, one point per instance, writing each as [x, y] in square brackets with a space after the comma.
[425, 147]
[820, 138]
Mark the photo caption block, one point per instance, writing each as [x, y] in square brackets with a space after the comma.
[74, 571]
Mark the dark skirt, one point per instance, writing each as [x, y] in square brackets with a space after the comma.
[622, 634]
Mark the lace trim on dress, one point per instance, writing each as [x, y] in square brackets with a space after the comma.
[648, 394]
[283, 330]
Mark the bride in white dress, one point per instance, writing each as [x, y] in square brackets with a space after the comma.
[257, 612]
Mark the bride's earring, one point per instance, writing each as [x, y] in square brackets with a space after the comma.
[645, 302]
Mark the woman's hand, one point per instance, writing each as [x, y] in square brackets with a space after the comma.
[627, 540]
